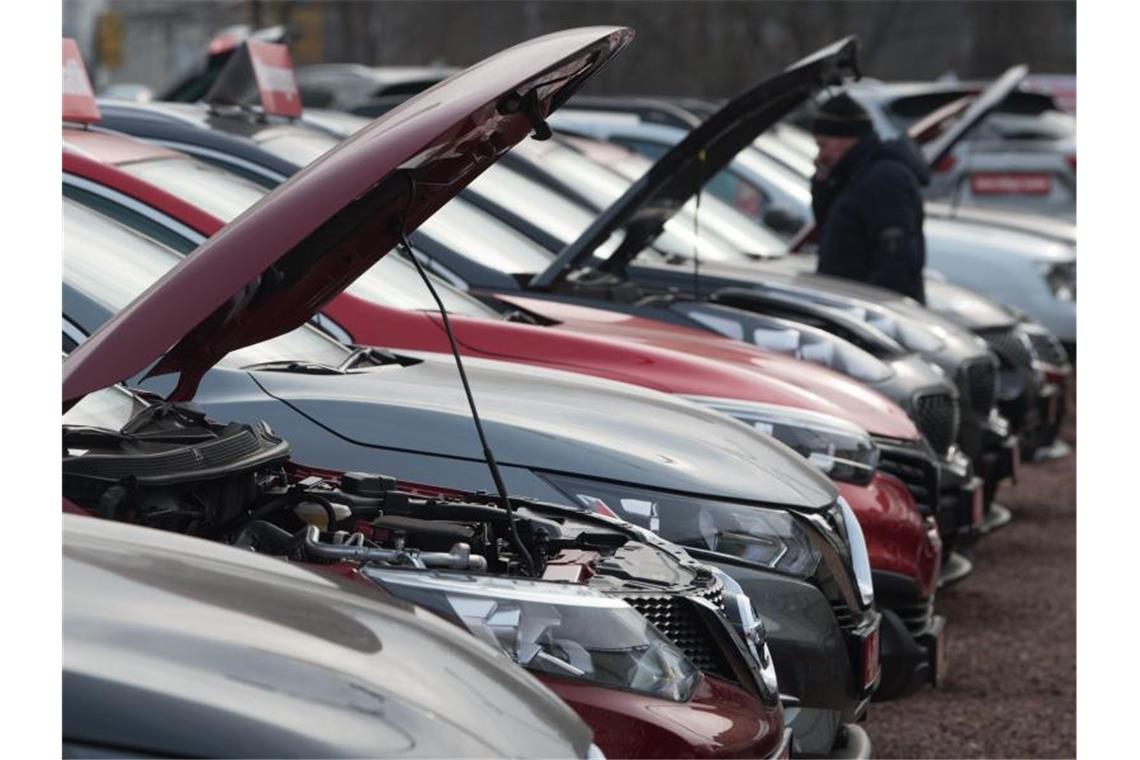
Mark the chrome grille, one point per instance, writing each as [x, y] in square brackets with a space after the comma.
[937, 417]
[675, 617]
[977, 380]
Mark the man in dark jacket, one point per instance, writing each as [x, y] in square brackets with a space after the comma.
[867, 203]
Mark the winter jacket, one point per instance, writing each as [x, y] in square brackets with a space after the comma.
[869, 213]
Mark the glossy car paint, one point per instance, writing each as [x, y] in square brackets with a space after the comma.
[464, 416]
[318, 432]
[179, 646]
[371, 323]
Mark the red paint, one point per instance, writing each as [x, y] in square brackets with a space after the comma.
[78, 97]
[721, 720]
[276, 83]
[897, 537]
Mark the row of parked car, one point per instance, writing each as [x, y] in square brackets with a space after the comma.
[369, 390]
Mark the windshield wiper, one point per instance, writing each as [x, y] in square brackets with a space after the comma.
[296, 365]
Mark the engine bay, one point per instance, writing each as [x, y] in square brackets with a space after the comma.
[172, 469]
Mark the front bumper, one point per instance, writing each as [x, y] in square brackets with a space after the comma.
[815, 657]
[854, 744]
[911, 660]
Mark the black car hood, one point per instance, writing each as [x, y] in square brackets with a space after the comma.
[547, 420]
[944, 300]
[179, 646]
[680, 174]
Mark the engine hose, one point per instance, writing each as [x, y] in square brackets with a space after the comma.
[266, 538]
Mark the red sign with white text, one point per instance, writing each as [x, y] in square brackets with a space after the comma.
[276, 84]
[995, 183]
[78, 97]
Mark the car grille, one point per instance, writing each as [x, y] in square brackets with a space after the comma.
[1047, 348]
[676, 618]
[916, 617]
[919, 477]
[937, 417]
[977, 380]
[844, 616]
[1009, 347]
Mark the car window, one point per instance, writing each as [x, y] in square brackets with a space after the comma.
[394, 281]
[129, 217]
[297, 146]
[558, 216]
[110, 408]
[112, 265]
[216, 192]
[472, 233]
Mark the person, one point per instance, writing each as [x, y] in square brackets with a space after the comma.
[867, 202]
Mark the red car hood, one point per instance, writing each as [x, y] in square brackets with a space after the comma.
[274, 266]
[798, 383]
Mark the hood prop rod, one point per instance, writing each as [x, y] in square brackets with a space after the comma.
[488, 455]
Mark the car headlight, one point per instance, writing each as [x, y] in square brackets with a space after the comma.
[768, 537]
[559, 629]
[1061, 278]
[860, 558]
[841, 449]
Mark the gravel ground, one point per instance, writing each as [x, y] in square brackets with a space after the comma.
[1011, 626]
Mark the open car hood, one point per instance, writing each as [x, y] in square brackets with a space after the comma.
[680, 174]
[274, 266]
[989, 99]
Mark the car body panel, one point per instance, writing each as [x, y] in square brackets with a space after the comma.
[175, 645]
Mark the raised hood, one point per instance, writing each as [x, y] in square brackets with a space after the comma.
[678, 175]
[273, 267]
[987, 101]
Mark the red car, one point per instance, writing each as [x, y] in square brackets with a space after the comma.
[112, 171]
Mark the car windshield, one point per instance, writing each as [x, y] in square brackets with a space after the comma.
[602, 186]
[558, 216]
[473, 233]
[393, 281]
[110, 408]
[216, 192]
[295, 144]
[112, 265]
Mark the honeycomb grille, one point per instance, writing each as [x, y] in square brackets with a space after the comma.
[676, 618]
[978, 382]
[1009, 348]
[1048, 349]
[937, 417]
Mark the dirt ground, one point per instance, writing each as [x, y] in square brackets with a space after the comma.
[1011, 689]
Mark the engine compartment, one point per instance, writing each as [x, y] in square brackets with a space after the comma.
[170, 468]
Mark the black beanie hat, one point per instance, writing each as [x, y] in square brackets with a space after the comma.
[841, 116]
